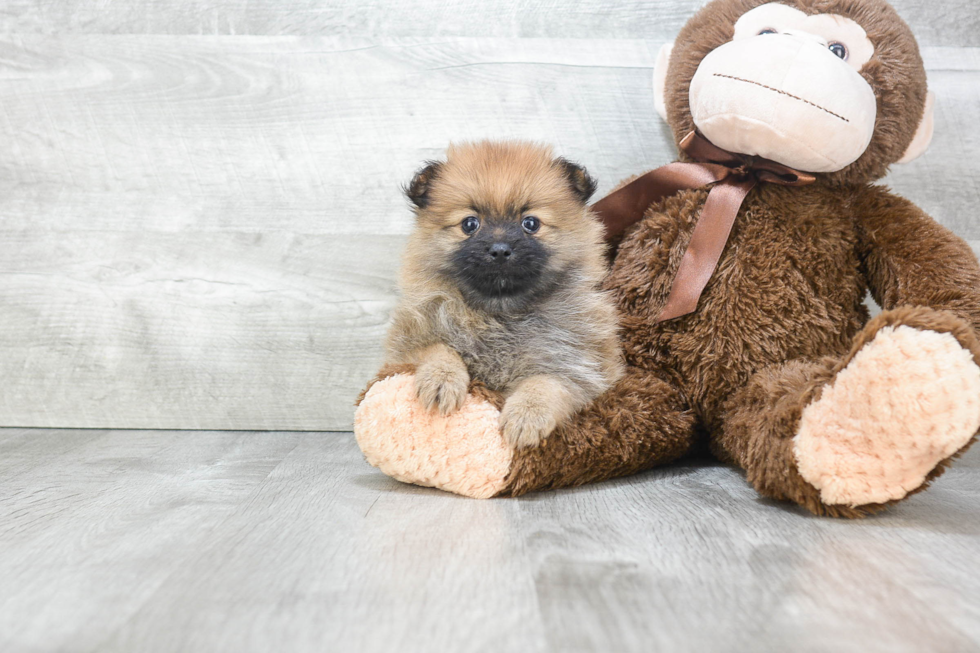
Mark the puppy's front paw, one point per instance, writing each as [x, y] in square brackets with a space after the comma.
[526, 422]
[442, 385]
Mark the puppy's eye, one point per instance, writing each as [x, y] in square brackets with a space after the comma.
[470, 224]
[531, 224]
[838, 49]
[768, 30]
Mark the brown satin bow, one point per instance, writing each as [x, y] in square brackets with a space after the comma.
[733, 176]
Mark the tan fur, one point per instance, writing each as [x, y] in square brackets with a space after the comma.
[441, 379]
[567, 341]
[537, 405]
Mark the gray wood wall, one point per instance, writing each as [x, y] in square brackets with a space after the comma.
[200, 220]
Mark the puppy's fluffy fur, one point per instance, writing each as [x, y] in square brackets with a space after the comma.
[515, 302]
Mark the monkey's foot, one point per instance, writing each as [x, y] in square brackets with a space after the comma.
[463, 453]
[904, 404]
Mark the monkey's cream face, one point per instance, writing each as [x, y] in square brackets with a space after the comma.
[787, 87]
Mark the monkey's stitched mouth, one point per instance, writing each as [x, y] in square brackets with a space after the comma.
[776, 90]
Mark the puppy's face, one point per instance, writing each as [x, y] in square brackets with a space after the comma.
[503, 221]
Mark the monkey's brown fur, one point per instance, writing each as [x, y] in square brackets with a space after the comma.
[783, 313]
[549, 356]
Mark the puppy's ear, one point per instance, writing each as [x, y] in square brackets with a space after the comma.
[583, 185]
[418, 189]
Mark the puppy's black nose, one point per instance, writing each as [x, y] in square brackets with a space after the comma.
[500, 252]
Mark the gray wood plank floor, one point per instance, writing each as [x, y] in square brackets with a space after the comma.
[279, 541]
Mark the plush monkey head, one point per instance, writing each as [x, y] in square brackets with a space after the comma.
[834, 87]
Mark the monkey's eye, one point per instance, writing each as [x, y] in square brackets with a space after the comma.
[530, 224]
[470, 224]
[768, 30]
[838, 49]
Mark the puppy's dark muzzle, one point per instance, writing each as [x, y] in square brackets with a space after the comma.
[500, 252]
[499, 262]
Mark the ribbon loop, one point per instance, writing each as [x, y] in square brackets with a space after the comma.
[731, 176]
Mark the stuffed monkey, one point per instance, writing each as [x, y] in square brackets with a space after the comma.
[777, 367]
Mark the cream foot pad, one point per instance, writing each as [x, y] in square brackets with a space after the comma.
[462, 453]
[907, 401]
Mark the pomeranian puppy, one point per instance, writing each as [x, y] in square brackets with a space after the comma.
[500, 283]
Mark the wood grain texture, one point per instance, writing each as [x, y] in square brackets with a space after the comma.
[204, 541]
[191, 330]
[203, 232]
[956, 25]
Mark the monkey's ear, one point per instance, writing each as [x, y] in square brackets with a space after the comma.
[660, 79]
[418, 189]
[923, 135]
[583, 185]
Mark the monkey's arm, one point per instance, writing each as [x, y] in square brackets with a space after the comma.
[910, 259]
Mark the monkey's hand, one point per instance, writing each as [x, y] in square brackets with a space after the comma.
[441, 379]
[535, 408]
